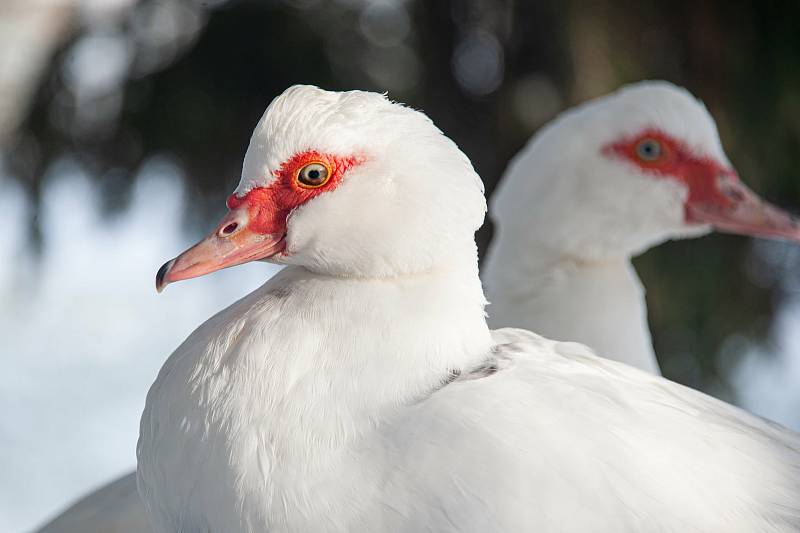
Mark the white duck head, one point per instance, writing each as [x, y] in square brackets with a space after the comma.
[624, 172]
[346, 184]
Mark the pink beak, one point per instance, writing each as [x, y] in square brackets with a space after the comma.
[737, 209]
[231, 244]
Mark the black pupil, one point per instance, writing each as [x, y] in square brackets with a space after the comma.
[649, 150]
[313, 175]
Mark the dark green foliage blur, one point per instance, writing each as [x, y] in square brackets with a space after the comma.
[489, 73]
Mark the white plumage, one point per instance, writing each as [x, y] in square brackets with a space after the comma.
[361, 390]
[570, 215]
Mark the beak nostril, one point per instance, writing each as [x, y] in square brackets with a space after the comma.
[230, 228]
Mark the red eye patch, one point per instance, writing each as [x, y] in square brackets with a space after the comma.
[268, 207]
[659, 154]
[668, 158]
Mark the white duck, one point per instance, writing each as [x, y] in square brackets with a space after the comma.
[361, 390]
[599, 185]
[586, 275]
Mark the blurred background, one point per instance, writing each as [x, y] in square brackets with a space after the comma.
[123, 125]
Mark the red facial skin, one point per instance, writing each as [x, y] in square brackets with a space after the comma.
[677, 161]
[716, 196]
[269, 207]
[255, 226]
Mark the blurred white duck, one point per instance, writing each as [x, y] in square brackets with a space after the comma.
[599, 185]
[113, 508]
[360, 389]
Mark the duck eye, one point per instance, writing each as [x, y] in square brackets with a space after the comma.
[313, 175]
[649, 150]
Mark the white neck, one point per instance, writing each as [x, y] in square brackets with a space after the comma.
[597, 303]
[368, 346]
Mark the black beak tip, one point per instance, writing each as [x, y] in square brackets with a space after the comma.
[162, 272]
